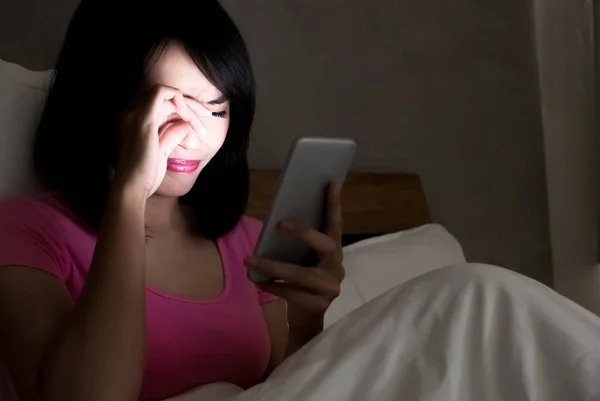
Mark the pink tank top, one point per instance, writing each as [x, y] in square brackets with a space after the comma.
[189, 342]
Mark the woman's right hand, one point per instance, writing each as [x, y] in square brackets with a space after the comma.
[143, 151]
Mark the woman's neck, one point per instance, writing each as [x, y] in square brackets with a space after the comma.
[163, 216]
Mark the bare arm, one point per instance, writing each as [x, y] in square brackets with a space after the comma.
[285, 341]
[276, 319]
[93, 350]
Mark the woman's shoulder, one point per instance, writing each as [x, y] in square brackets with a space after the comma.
[250, 225]
[245, 233]
[26, 207]
[38, 231]
[30, 234]
[33, 210]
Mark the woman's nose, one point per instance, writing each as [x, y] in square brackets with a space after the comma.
[193, 139]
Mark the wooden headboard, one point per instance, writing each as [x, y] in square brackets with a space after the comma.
[372, 203]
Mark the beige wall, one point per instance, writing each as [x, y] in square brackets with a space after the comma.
[444, 89]
[565, 38]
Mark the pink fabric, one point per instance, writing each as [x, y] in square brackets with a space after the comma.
[190, 342]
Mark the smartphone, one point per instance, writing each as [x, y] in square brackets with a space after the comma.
[311, 166]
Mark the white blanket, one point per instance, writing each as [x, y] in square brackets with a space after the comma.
[469, 332]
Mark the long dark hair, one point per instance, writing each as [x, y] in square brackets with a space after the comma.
[102, 65]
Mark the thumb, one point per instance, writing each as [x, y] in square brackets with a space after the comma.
[173, 136]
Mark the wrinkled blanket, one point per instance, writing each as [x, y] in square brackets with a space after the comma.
[469, 332]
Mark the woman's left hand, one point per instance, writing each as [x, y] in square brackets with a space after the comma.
[308, 290]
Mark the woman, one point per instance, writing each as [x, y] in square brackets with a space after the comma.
[127, 279]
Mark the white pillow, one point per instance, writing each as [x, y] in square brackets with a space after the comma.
[378, 264]
[22, 96]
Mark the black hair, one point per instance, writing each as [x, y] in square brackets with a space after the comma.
[101, 68]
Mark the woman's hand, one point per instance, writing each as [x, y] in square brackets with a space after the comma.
[148, 138]
[309, 290]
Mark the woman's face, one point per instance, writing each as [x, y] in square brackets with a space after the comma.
[176, 69]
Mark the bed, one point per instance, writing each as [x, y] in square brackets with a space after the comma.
[467, 332]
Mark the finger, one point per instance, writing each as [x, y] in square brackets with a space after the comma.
[160, 98]
[334, 226]
[306, 300]
[308, 279]
[167, 109]
[198, 108]
[173, 136]
[154, 102]
[186, 113]
[317, 240]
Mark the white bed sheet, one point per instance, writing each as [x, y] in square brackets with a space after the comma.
[470, 332]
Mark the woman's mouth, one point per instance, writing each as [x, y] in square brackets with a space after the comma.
[182, 165]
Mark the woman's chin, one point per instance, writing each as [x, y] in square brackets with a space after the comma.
[176, 185]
